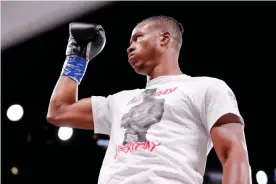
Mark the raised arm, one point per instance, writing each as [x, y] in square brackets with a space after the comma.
[64, 108]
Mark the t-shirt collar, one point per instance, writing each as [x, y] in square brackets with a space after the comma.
[164, 79]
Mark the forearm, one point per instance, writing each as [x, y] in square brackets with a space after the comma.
[236, 170]
[64, 93]
[65, 109]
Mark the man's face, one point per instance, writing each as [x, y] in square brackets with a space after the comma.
[144, 47]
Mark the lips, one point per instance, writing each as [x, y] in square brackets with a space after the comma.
[130, 56]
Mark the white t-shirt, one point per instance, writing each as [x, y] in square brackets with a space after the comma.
[161, 134]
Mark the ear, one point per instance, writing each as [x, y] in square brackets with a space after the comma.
[165, 38]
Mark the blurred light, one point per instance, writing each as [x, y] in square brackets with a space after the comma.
[275, 175]
[29, 137]
[215, 176]
[261, 177]
[102, 142]
[65, 133]
[94, 136]
[14, 170]
[15, 112]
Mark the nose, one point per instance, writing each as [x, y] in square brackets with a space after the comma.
[130, 49]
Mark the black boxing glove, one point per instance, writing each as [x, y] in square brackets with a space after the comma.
[85, 42]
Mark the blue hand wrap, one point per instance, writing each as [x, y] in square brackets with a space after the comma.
[74, 67]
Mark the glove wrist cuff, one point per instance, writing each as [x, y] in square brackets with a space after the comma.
[74, 67]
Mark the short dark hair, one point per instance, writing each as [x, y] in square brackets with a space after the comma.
[176, 27]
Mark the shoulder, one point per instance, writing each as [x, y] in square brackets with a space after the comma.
[206, 79]
[210, 88]
[124, 95]
[126, 92]
[216, 90]
[118, 95]
[208, 83]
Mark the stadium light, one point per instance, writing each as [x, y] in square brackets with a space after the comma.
[261, 177]
[102, 142]
[65, 133]
[14, 170]
[15, 112]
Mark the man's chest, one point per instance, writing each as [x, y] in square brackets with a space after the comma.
[157, 102]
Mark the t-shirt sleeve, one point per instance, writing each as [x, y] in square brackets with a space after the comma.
[101, 114]
[219, 100]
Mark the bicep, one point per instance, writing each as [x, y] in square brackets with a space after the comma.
[78, 115]
[228, 137]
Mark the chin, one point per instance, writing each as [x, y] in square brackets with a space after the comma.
[141, 70]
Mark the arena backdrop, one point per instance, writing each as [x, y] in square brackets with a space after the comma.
[233, 41]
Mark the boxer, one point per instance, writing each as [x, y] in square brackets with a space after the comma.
[164, 132]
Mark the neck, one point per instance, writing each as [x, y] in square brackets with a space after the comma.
[168, 65]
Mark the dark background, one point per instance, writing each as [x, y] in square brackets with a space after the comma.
[233, 41]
